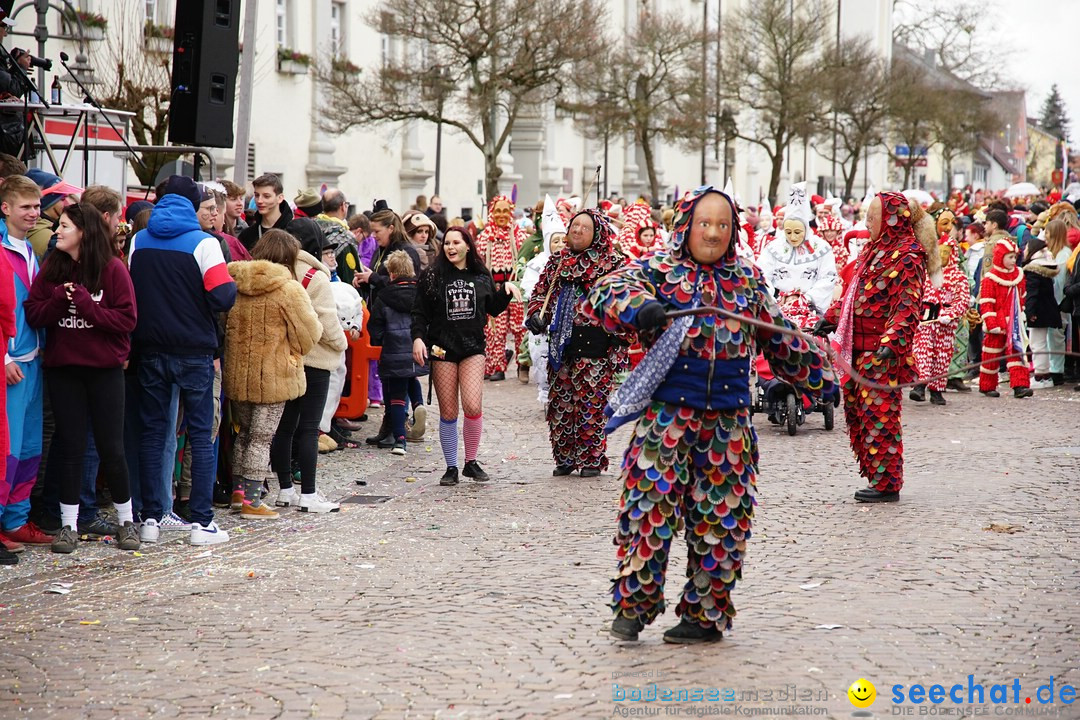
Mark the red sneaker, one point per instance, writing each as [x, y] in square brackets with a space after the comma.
[10, 545]
[29, 534]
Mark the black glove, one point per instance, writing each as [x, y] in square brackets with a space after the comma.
[823, 328]
[534, 325]
[650, 316]
[884, 353]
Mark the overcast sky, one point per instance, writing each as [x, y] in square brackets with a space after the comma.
[1040, 35]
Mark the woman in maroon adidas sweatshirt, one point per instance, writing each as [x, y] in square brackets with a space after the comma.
[84, 300]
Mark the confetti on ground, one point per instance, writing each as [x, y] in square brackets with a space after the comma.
[89, 622]
[809, 586]
[1003, 528]
[828, 627]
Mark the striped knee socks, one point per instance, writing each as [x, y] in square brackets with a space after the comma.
[448, 440]
[473, 426]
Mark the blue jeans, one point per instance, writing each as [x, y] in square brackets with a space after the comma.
[194, 375]
[163, 491]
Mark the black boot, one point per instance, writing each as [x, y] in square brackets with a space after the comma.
[1023, 392]
[918, 393]
[450, 477]
[625, 628]
[562, 470]
[689, 632]
[1057, 378]
[872, 495]
[384, 431]
[958, 385]
[936, 398]
[590, 472]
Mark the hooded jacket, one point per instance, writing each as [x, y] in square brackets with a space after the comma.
[1041, 306]
[271, 328]
[315, 277]
[1001, 296]
[180, 280]
[391, 327]
[251, 234]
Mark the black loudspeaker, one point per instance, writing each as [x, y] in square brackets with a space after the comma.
[205, 57]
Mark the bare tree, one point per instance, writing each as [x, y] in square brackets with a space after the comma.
[771, 55]
[855, 86]
[912, 104]
[958, 33]
[139, 81]
[471, 65]
[957, 123]
[648, 87]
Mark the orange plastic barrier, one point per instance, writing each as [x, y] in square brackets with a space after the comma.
[354, 404]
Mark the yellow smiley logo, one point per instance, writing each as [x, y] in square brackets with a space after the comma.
[862, 693]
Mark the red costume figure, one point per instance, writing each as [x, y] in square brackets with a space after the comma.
[943, 310]
[1001, 302]
[498, 246]
[832, 231]
[876, 320]
[638, 233]
[583, 358]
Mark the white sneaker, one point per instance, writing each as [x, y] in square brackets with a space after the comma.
[415, 431]
[287, 497]
[172, 521]
[316, 503]
[149, 531]
[1041, 384]
[208, 534]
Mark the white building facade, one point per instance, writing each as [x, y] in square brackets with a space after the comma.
[547, 153]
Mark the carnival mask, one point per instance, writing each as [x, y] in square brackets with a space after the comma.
[945, 222]
[582, 229]
[795, 232]
[711, 231]
[501, 214]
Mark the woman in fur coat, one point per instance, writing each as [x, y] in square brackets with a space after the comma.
[270, 329]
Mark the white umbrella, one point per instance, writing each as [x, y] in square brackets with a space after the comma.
[1023, 189]
[920, 196]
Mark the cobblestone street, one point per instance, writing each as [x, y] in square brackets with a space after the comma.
[490, 601]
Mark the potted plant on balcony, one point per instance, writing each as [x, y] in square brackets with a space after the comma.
[93, 25]
[292, 62]
[157, 38]
[343, 68]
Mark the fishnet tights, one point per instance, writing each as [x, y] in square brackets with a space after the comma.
[465, 378]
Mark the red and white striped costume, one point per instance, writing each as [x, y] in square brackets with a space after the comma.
[498, 247]
[935, 338]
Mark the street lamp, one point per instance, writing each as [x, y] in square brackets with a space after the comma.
[727, 126]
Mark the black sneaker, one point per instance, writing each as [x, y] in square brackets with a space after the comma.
[386, 443]
[399, 447]
[65, 541]
[497, 376]
[1023, 392]
[958, 385]
[990, 393]
[128, 538]
[450, 477]
[918, 393]
[562, 470]
[7, 557]
[689, 632]
[473, 470]
[590, 472]
[99, 527]
[625, 628]
[936, 397]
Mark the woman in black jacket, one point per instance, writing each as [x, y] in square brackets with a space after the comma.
[454, 299]
[1041, 306]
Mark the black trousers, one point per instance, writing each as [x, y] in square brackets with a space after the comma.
[79, 394]
[301, 421]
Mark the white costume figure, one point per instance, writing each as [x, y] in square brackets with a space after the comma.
[799, 259]
[351, 315]
[554, 231]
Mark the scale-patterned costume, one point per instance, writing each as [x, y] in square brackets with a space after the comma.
[692, 460]
[935, 341]
[881, 307]
[583, 359]
[498, 248]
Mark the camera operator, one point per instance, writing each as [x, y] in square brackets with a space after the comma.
[12, 86]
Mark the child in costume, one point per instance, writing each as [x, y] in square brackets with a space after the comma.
[944, 308]
[554, 233]
[692, 459]
[1001, 302]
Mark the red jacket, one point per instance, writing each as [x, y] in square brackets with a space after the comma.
[999, 291]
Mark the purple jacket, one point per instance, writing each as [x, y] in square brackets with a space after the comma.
[366, 250]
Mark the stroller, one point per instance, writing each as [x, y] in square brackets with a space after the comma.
[785, 404]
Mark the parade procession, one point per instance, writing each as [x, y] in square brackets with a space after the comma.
[381, 359]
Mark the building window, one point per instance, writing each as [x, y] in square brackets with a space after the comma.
[151, 11]
[282, 23]
[385, 40]
[337, 27]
